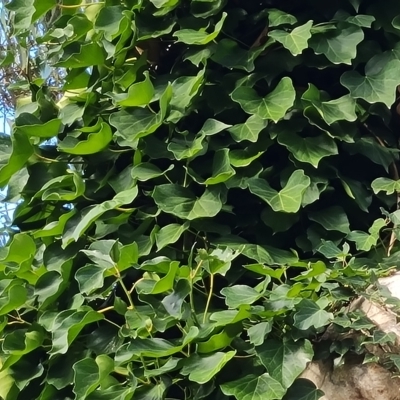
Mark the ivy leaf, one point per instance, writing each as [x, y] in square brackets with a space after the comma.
[66, 328]
[201, 369]
[254, 387]
[332, 219]
[343, 108]
[310, 314]
[385, 185]
[20, 342]
[295, 41]
[90, 278]
[146, 171]
[121, 198]
[89, 373]
[229, 54]
[374, 151]
[181, 202]
[141, 121]
[238, 295]
[365, 241]
[258, 332]
[32, 126]
[154, 347]
[278, 17]
[285, 360]
[22, 150]
[310, 150]
[377, 87]
[200, 37]
[274, 106]
[339, 46]
[303, 389]
[82, 56]
[170, 234]
[289, 198]
[249, 130]
[139, 94]
[174, 302]
[109, 20]
[95, 142]
[117, 392]
[221, 169]
[149, 286]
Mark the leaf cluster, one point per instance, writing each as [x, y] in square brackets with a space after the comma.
[210, 201]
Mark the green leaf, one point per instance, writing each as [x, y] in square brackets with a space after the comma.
[66, 187]
[89, 373]
[181, 202]
[109, 20]
[295, 41]
[121, 198]
[249, 130]
[365, 241]
[149, 286]
[252, 387]
[385, 185]
[132, 125]
[278, 17]
[154, 347]
[146, 171]
[289, 198]
[343, 108]
[96, 141]
[221, 168]
[220, 340]
[139, 94]
[238, 295]
[170, 234]
[339, 46]
[310, 150]
[285, 360]
[374, 87]
[257, 333]
[66, 328]
[370, 148]
[310, 314]
[200, 37]
[243, 158]
[86, 55]
[303, 389]
[201, 369]
[332, 219]
[20, 342]
[274, 106]
[230, 55]
[173, 303]
[90, 278]
[22, 150]
[31, 126]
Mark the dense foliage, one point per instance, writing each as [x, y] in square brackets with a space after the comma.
[223, 183]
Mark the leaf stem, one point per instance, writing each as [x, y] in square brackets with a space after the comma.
[210, 293]
[103, 310]
[126, 291]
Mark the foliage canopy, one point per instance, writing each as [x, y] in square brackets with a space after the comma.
[221, 181]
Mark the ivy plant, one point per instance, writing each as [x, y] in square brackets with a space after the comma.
[201, 199]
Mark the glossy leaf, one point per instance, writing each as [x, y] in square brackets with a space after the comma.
[274, 106]
[289, 198]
